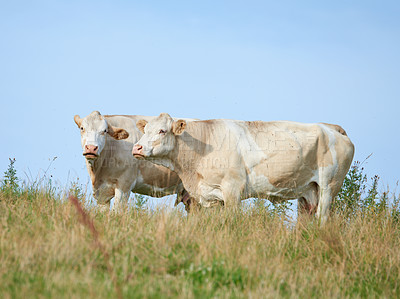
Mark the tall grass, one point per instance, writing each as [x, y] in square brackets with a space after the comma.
[48, 249]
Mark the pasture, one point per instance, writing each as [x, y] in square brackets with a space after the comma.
[50, 248]
[244, 100]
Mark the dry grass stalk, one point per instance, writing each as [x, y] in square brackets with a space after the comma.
[87, 221]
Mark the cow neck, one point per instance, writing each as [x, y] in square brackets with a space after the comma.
[175, 161]
[185, 158]
[94, 166]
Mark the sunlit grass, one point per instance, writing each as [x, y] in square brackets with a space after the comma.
[55, 243]
[46, 251]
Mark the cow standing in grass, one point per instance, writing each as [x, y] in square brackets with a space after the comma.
[229, 160]
[112, 169]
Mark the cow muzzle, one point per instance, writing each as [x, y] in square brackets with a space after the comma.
[91, 151]
[137, 151]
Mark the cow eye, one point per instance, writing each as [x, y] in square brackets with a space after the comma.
[105, 131]
[161, 132]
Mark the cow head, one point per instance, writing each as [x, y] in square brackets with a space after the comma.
[94, 129]
[159, 136]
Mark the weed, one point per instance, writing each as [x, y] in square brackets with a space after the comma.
[10, 184]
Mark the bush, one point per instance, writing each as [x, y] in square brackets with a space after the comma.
[9, 185]
[140, 202]
[360, 196]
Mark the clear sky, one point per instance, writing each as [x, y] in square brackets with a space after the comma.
[308, 61]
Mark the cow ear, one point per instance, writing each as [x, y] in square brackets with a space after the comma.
[141, 123]
[78, 120]
[178, 127]
[117, 133]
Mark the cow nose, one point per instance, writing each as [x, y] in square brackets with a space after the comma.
[91, 149]
[137, 149]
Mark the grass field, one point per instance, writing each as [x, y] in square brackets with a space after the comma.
[48, 249]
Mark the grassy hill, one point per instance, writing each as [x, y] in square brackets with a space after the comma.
[52, 246]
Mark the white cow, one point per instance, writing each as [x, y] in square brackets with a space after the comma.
[229, 160]
[112, 169]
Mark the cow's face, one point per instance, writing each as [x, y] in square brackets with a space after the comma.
[159, 136]
[94, 129]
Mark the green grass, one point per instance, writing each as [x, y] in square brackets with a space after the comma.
[52, 247]
[46, 251]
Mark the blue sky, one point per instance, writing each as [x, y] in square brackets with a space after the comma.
[307, 61]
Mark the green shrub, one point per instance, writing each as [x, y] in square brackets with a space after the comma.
[140, 201]
[10, 184]
[360, 196]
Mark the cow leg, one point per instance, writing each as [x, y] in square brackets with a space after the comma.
[231, 195]
[325, 200]
[120, 200]
[103, 198]
[232, 187]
